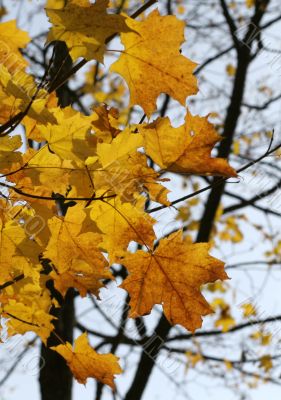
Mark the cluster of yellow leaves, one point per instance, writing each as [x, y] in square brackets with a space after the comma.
[264, 338]
[225, 320]
[229, 229]
[100, 170]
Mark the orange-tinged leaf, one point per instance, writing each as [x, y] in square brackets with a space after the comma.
[186, 149]
[85, 27]
[85, 362]
[172, 276]
[152, 64]
[106, 123]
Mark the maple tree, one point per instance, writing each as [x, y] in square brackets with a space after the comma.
[80, 190]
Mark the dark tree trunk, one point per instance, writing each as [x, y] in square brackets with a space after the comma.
[55, 377]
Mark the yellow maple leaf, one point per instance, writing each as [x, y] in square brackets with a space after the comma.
[129, 176]
[46, 169]
[85, 27]
[21, 87]
[151, 62]
[9, 106]
[172, 276]
[18, 253]
[121, 223]
[122, 146]
[186, 149]
[9, 153]
[124, 171]
[68, 138]
[74, 253]
[31, 126]
[85, 362]
[11, 40]
[56, 4]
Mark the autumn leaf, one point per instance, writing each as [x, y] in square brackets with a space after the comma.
[122, 146]
[47, 170]
[23, 92]
[69, 136]
[172, 276]
[85, 27]
[85, 363]
[105, 124]
[56, 4]
[120, 223]
[73, 250]
[9, 153]
[186, 149]
[124, 170]
[32, 128]
[18, 254]
[151, 62]
[11, 40]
